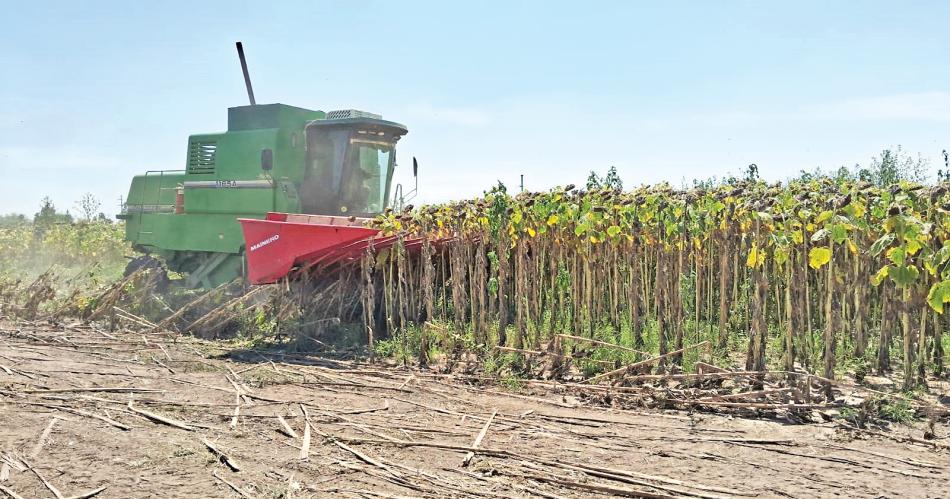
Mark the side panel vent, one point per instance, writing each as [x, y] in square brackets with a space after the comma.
[201, 156]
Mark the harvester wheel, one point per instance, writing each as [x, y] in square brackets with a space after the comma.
[151, 263]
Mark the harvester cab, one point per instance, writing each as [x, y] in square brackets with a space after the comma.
[273, 158]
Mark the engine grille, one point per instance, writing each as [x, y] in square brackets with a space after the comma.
[201, 155]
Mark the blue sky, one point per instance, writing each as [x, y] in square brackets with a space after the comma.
[93, 92]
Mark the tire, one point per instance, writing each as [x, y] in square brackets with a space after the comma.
[150, 263]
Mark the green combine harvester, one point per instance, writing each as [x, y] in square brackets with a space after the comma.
[272, 158]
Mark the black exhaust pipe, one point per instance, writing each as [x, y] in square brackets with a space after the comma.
[247, 77]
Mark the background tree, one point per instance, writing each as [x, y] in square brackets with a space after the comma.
[610, 181]
[943, 174]
[47, 217]
[751, 173]
[13, 220]
[88, 207]
[892, 166]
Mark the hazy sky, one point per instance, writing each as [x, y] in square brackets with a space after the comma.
[93, 92]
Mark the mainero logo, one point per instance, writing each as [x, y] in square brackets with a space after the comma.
[265, 242]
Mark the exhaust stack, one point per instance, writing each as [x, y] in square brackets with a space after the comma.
[247, 76]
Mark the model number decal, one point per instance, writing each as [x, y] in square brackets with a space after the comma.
[229, 184]
[265, 242]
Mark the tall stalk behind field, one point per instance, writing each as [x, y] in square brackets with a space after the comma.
[792, 271]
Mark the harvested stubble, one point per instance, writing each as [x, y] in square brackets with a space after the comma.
[382, 435]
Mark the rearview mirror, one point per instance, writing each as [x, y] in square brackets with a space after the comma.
[415, 167]
[267, 160]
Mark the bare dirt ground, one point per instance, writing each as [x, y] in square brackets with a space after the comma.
[129, 415]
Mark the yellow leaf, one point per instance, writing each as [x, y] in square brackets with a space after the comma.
[930, 268]
[552, 219]
[753, 256]
[852, 248]
[819, 257]
[879, 277]
[781, 255]
[897, 255]
[859, 209]
[594, 240]
[531, 232]
[913, 246]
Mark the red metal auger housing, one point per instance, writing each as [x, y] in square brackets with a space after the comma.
[282, 242]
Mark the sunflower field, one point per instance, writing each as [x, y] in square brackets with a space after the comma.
[806, 275]
[97, 247]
